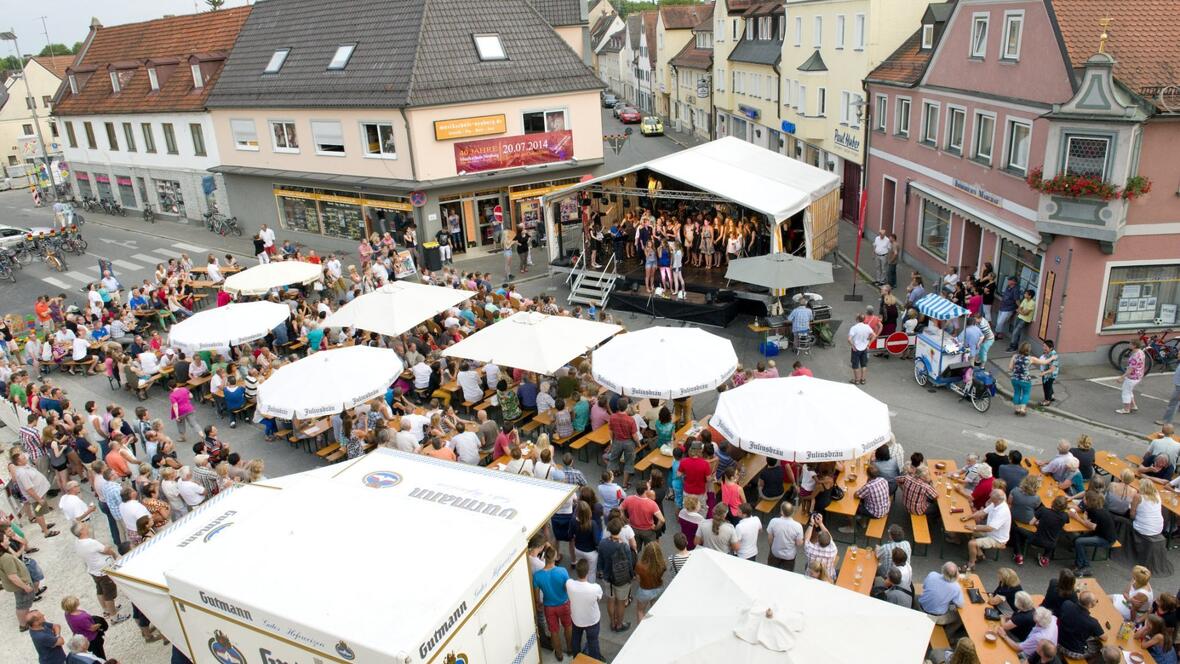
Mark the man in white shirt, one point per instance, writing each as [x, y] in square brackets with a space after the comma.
[72, 507]
[132, 509]
[747, 532]
[882, 245]
[786, 537]
[267, 235]
[213, 270]
[191, 492]
[418, 425]
[97, 557]
[468, 380]
[421, 372]
[860, 337]
[993, 532]
[493, 375]
[584, 612]
[405, 439]
[149, 363]
[112, 285]
[465, 445]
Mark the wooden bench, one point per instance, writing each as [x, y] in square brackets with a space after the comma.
[325, 451]
[141, 389]
[876, 529]
[281, 434]
[921, 528]
[938, 638]
[767, 505]
[1135, 459]
[1094, 551]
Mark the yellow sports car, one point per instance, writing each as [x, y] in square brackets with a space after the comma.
[651, 126]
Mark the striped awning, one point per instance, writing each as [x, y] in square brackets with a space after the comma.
[939, 308]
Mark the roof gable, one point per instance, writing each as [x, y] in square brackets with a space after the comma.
[128, 48]
[410, 53]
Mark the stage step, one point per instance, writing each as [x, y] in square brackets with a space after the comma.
[592, 287]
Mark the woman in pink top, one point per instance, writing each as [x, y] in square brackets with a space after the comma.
[1131, 377]
[182, 410]
[732, 495]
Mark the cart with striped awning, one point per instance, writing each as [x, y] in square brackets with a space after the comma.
[939, 308]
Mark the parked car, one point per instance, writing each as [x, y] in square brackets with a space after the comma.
[12, 235]
[609, 100]
[621, 106]
[651, 126]
[630, 115]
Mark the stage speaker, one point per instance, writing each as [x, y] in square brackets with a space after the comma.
[726, 296]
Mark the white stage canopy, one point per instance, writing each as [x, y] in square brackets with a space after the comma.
[760, 179]
[533, 341]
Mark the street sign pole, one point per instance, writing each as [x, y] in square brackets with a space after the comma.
[860, 233]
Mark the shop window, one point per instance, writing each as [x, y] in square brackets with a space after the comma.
[1086, 156]
[283, 135]
[84, 190]
[328, 136]
[299, 214]
[1139, 296]
[245, 134]
[170, 196]
[936, 229]
[1016, 261]
[379, 139]
[543, 121]
[126, 192]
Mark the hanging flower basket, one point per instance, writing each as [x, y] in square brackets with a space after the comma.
[1078, 186]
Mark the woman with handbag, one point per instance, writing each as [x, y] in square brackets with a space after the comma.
[94, 628]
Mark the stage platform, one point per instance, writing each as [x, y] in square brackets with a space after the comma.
[695, 308]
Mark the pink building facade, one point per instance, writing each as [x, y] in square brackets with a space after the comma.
[986, 94]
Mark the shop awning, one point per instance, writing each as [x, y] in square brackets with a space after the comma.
[768, 182]
[1028, 239]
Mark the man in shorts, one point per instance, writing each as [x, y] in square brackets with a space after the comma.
[624, 436]
[616, 564]
[97, 556]
[15, 577]
[993, 532]
[860, 337]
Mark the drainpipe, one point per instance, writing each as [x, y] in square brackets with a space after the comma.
[867, 127]
[418, 220]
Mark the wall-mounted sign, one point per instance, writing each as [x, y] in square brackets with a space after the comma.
[847, 140]
[348, 200]
[979, 192]
[703, 88]
[749, 111]
[788, 127]
[484, 125]
[492, 154]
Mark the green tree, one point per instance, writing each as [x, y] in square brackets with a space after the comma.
[9, 63]
[56, 49]
[214, 5]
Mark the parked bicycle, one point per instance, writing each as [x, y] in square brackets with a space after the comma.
[111, 206]
[8, 265]
[50, 248]
[149, 215]
[223, 225]
[1158, 349]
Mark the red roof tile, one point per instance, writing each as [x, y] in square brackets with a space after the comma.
[683, 17]
[1144, 39]
[649, 27]
[692, 57]
[904, 66]
[56, 65]
[173, 38]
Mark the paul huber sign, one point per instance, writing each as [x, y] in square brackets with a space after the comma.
[847, 140]
[979, 192]
[514, 151]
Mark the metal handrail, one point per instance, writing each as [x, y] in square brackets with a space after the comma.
[574, 267]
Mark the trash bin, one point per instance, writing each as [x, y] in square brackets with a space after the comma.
[431, 256]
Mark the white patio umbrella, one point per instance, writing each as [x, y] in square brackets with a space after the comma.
[328, 382]
[260, 279]
[235, 323]
[396, 307]
[719, 608]
[779, 271]
[533, 341]
[800, 418]
[664, 362]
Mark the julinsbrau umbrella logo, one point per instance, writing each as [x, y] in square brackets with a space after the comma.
[224, 651]
[382, 479]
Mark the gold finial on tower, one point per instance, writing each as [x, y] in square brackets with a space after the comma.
[1103, 38]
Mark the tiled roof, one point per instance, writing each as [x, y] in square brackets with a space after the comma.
[409, 53]
[56, 65]
[904, 66]
[814, 63]
[691, 57]
[764, 9]
[649, 26]
[634, 27]
[737, 6]
[598, 30]
[1144, 39]
[559, 12]
[705, 24]
[757, 51]
[129, 46]
[683, 17]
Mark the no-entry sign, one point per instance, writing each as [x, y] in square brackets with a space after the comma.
[896, 343]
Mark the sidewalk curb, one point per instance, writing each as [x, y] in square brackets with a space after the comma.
[98, 222]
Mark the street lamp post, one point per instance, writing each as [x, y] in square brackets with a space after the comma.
[11, 36]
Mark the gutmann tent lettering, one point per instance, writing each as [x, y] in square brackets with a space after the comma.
[225, 606]
[463, 503]
[442, 631]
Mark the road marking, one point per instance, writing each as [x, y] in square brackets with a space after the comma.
[991, 438]
[92, 268]
[150, 260]
[56, 283]
[167, 252]
[126, 265]
[78, 276]
[189, 247]
[1112, 383]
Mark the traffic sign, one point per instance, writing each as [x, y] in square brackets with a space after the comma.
[498, 213]
[418, 198]
[897, 342]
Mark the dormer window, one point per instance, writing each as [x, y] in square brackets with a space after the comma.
[927, 36]
[341, 57]
[276, 61]
[489, 47]
[73, 85]
[115, 82]
[153, 79]
[198, 78]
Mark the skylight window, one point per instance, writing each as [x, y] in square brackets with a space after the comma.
[277, 60]
[489, 47]
[343, 53]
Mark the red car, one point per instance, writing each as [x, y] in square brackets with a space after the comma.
[630, 115]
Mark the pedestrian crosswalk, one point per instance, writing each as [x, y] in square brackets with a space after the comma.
[141, 261]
